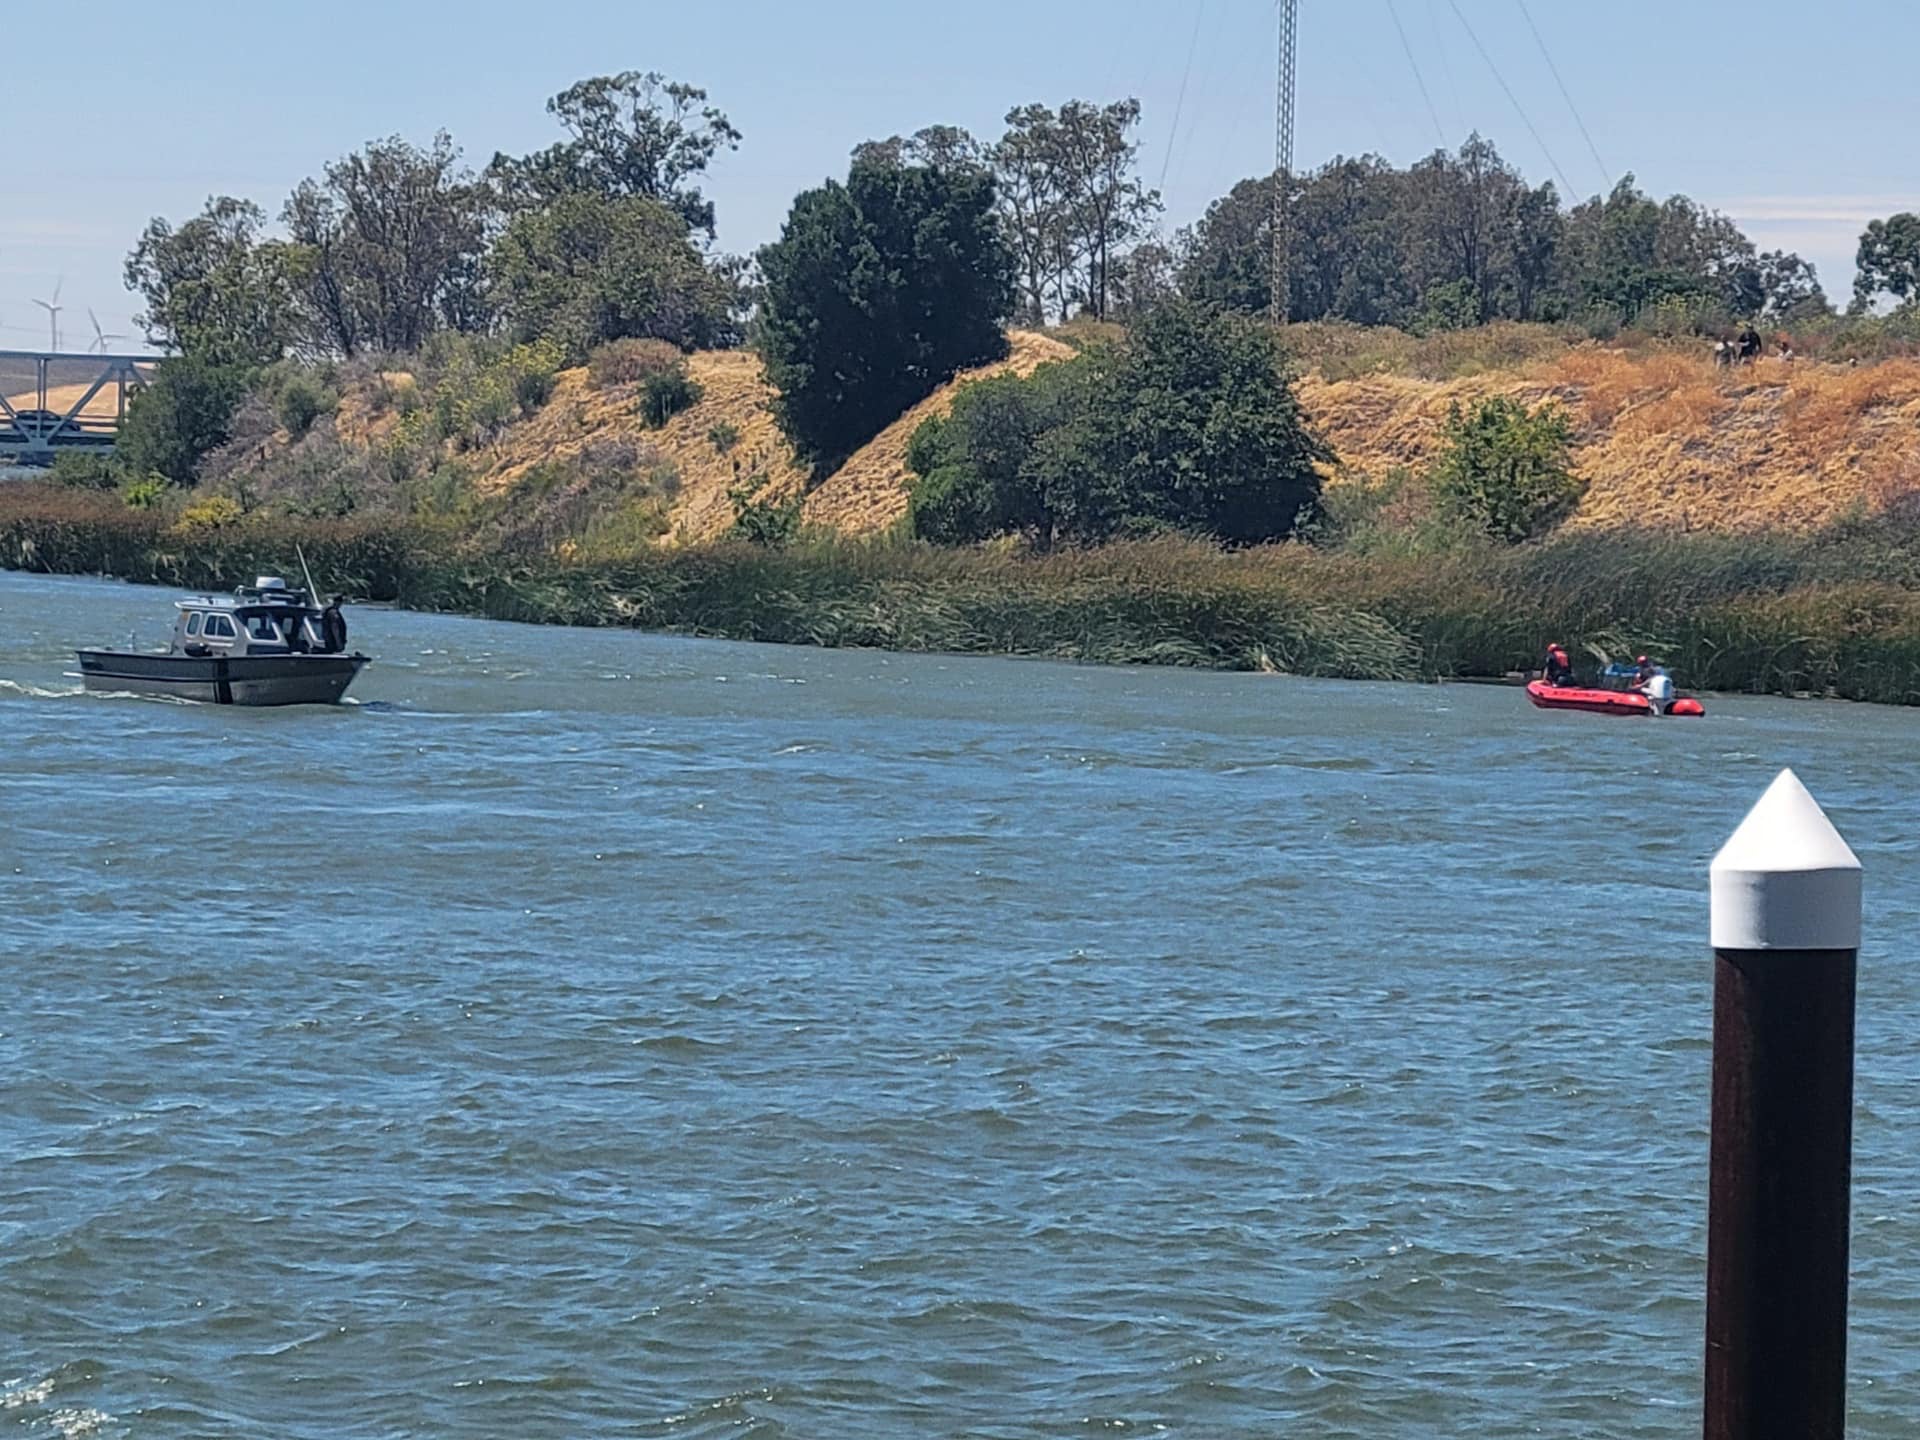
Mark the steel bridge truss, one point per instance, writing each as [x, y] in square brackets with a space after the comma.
[40, 416]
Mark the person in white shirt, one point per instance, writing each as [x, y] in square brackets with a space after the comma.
[1654, 683]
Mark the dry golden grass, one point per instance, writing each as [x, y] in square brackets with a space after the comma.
[733, 393]
[1666, 440]
[869, 492]
[1663, 438]
[62, 398]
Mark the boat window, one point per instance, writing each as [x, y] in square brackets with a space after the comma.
[193, 623]
[218, 627]
[261, 627]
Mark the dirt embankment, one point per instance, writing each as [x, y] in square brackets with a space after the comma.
[1663, 438]
[1666, 439]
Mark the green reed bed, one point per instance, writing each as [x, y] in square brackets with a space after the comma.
[1836, 613]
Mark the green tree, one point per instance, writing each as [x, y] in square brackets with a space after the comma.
[1888, 261]
[1197, 426]
[983, 468]
[180, 416]
[1506, 471]
[213, 288]
[588, 268]
[878, 291]
[1191, 425]
[1071, 200]
[629, 135]
[945, 147]
[1227, 256]
[388, 248]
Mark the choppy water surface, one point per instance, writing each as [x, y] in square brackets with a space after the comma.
[593, 1033]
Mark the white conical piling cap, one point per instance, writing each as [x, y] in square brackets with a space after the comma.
[1786, 880]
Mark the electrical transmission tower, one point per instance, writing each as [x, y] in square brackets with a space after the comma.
[1283, 160]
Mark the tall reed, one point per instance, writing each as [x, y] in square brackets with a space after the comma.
[1835, 613]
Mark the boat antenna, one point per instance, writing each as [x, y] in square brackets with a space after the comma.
[313, 595]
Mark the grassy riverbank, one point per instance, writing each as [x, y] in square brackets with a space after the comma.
[1836, 612]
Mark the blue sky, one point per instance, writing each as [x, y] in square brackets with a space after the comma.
[1797, 120]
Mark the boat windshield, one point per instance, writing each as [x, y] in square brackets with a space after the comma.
[263, 629]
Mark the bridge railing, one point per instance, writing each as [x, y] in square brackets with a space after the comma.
[51, 402]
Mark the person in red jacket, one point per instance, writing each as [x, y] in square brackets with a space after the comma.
[1558, 670]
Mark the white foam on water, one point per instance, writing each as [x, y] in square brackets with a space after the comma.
[17, 1395]
[39, 692]
[76, 1421]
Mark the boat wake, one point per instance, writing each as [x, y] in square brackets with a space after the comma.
[39, 692]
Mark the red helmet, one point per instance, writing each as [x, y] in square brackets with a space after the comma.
[1640, 660]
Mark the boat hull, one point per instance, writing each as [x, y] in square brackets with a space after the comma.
[1604, 702]
[223, 679]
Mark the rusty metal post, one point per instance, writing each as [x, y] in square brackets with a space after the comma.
[1786, 935]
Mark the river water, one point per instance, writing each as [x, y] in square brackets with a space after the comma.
[597, 1033]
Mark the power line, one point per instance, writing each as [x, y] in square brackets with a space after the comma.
[1514, 99]
[1439, 130]
[1198, 116]
[1606, 172]
[1446, 65]
[1193, 46]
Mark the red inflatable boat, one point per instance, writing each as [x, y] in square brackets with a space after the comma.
[1603, 702]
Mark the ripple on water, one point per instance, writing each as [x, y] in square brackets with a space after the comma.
[880, 1045]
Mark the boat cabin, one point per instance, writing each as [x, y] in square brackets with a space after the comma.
[267, 617]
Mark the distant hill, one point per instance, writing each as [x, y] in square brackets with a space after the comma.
[1663, 438]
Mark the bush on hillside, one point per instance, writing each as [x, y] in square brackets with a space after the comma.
[760, 520]
[1191, 426]
[1507, 470]
[146, 492]
[630, 361]
[302, 399]
[877, 292]
[80, 470]
[590, 268]
[180, 416]
[666, 393]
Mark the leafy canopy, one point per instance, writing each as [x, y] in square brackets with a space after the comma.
[588, 268]
[180, 416]
[630, 134]
[213, 289]
[1506, 472]
[1889, 261]
[386, 248]
[1192, 425]
[877, 292]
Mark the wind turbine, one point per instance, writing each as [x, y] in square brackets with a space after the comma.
[53, 308]
[100, 337]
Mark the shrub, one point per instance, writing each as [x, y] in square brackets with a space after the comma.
[628, 362]
[146, 492]
[213, 512]
[666, 394]
[1193, 426]
[761, 521]
[78, 470]
[724, 436]
[1506, 471]
[303, 400]
[181, 416]
[588, 267]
